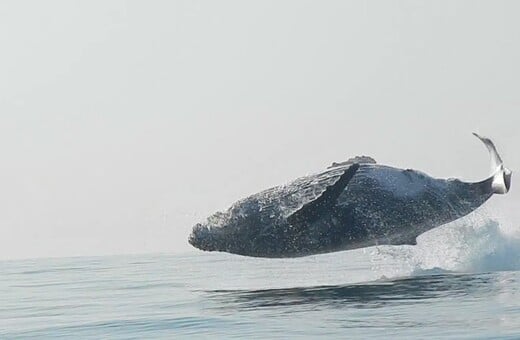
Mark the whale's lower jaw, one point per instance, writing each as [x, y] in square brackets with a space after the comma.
[219, 239]
[215, 239]
[210, 244]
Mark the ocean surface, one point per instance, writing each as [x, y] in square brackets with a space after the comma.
[460, 281]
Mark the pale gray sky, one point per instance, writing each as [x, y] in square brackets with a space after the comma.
[123, 123]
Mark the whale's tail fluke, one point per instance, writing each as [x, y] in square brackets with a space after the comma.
[499, 173]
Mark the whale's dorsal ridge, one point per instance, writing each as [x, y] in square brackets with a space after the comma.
[354, 160]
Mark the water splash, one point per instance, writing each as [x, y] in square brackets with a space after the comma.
[473, 244]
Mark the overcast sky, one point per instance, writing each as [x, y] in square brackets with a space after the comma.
[123, 123]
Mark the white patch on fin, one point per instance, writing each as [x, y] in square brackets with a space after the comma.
[501, 175]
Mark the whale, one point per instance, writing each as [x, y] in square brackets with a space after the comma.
[352, 204]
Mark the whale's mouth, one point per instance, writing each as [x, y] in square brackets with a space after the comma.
[204, 238]
[210, 235]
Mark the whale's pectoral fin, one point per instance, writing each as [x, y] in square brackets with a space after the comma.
[324, 203]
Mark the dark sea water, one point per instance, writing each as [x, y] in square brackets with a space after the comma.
[459, 282]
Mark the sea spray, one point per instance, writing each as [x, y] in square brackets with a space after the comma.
[474, 244]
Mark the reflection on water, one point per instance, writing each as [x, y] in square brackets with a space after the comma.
[192, 296]
[369, 295]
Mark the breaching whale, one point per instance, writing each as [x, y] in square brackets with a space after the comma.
[353, 204]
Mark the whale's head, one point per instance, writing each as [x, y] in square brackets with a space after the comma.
[231, 230]
[202, 238]
[210, 234]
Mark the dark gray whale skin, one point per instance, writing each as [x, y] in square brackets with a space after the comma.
[350, 205]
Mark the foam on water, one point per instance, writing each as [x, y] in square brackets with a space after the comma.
[475, 244]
